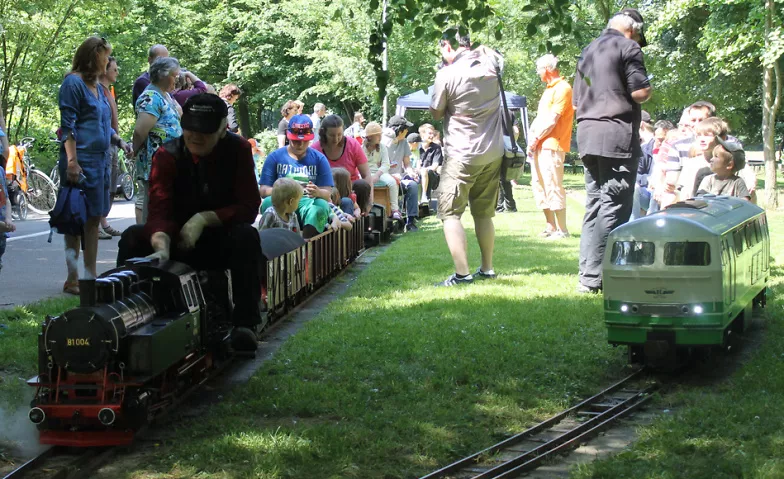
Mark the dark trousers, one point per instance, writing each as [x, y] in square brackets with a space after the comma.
[506, 199]
[609, 193]
[236, 248]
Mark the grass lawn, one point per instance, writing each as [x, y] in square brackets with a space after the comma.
[396, 378]
[19, 328]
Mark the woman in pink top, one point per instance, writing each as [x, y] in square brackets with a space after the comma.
[342, 151]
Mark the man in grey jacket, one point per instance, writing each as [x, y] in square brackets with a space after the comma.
[466, 94]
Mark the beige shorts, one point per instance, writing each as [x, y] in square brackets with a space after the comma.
[547, 173]
[464, 184]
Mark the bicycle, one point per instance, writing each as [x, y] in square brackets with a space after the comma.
[28, 187]
[126, 185]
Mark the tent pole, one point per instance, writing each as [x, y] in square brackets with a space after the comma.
[384, 60]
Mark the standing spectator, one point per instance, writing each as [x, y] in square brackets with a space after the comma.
[551, 136]
[506, 201]
[6, 223]
[356, 130]
[85, 137]
[155, 52]
[319, 112]
[467, 95]
[105, 231]
[3, 137]
[610, 84]
[157, 122]
[300, 107]
[342, 151]
[189, 85]
[378, 162]
[287, 111]
[430, 159]
[394, 138]
[230, 94]
[311, 167]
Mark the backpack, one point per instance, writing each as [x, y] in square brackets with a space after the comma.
[69, 214]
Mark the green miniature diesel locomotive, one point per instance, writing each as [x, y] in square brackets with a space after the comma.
[686, 277]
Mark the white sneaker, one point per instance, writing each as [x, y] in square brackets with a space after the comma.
[556, 235]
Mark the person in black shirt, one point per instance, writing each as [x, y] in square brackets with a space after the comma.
[431, 157]
[610, 84]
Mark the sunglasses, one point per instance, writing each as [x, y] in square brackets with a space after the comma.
[300, 131]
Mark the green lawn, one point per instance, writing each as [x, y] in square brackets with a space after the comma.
[396, 378]
[19, 328]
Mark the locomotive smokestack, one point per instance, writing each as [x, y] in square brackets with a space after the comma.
[87, 295]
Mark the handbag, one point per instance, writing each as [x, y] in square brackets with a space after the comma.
[514, 156]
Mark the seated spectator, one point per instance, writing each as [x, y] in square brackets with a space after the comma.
[661, 194]
[414, 140]
[202, 207]
[727, 159]
[363, 192]
[645, 170]
[187, 86]
[431, 157]
[378, 162]
[356, 130]
[348, 200]
[342, 151]
[230, 94]
[697, 166]
[394, 138]
[286, 194]
[338, 218]
[311, 166]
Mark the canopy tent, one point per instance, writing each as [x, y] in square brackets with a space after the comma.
[420, 100]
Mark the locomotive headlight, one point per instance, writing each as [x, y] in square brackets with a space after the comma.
[36, 415]
[624, 308]
[106, 416]
[697, 309]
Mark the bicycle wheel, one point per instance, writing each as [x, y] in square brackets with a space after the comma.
[55, 176]
[128, 186]
[20, 209]
[41, 192]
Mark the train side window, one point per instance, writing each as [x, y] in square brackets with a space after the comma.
[687, 253]
[193, 293]
[188, 300]
[738, 239]
[632, 252]
[724, 253]
[751, 239]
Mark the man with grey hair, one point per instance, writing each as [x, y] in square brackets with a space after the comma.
[319, 112]
[550, 141]
[610, 84]
[155, 52]
[466, 94]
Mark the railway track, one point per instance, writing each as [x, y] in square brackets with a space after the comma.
[527, 450]
[63, 463]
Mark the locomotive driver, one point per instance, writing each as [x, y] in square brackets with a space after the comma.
[203, 201]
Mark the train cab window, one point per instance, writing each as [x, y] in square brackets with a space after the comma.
[739, 240]
[751, 235]
[687, 253]
[193, 293]
[632, 253]
[188, 300]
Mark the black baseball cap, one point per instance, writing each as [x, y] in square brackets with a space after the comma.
[635, 15]
[203, 113]
[414, 138]
[736, 150]
[397, 121]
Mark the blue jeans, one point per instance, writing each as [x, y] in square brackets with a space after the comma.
[3, 241]
[411, 198]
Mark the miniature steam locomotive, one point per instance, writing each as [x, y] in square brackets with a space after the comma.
[146, 333]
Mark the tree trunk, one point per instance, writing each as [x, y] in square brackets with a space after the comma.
[244, 118]
[771, 100]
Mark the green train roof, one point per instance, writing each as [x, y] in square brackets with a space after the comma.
[710, 214]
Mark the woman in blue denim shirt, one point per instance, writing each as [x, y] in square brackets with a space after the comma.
[86, 135]
[6, 225]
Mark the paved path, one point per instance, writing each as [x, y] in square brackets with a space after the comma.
[34, 269]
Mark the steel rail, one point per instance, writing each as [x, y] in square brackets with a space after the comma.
[472, 459]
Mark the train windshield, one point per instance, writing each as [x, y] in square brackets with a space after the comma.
[687, 253]
[632, 253]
